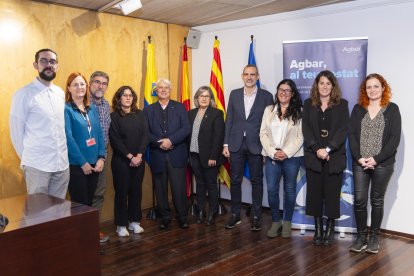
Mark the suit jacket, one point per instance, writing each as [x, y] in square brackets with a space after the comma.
[177, 131]
[237, 124]
[293, 142]
[338, 131]
[210, 136]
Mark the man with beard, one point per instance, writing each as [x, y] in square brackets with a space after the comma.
[97, 86]
[242, 142]
[37, 129]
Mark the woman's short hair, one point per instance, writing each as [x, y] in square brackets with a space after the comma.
[336, 93]
[386, 94]
[116, 100]
[68, 95]
[200, 91]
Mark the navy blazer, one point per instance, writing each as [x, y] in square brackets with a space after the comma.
[210, 136]
[177, 131]
[338, 131]
[237, 124]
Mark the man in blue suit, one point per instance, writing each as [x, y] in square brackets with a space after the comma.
[169, 127]
[241, 142]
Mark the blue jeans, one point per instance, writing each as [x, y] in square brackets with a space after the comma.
[289, 169]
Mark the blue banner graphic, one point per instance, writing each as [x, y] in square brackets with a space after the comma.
[347, 59]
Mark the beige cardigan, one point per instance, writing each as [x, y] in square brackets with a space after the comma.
[293, 143]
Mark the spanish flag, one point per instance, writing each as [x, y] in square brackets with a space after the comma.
[185, 100]
[216, 85]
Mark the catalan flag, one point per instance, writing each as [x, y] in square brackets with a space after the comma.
[216, 85]
[185, 100]
[150, 95]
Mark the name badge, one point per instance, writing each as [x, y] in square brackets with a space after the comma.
[90, 142]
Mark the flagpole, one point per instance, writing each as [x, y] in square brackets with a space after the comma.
[152, 213]
[192, 208]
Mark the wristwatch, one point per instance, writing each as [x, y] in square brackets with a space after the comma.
[328, 149]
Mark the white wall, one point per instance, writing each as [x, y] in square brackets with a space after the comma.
[389, 28]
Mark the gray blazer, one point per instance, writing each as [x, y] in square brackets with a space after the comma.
[237, 124]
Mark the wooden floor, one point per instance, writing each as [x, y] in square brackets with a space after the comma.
[213, 250]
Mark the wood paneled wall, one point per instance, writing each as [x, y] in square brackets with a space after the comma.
[85, 41]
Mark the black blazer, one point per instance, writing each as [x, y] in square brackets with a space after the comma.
[338, 131]
[390, 139]
[177, 132]
[237, 124]
[210, 136]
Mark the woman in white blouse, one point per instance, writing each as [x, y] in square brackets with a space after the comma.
[282, 140]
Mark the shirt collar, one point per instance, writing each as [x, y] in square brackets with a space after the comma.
[254, 91]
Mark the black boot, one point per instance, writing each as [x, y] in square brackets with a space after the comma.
[200, 217]
[211, 217]
[373, 244]
[328, 237]
[361, 242]
[376, 219]
[317, 238]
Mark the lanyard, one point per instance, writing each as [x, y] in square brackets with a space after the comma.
[86, 118]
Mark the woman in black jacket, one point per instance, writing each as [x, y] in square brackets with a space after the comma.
[206, 145]
[375, 132]
[324, 125]
[129, 136]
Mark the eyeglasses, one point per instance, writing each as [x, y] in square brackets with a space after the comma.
[127, 95]
[204, 96]
[76, 85]
[45, 62]
[98, 82]
[285, 91]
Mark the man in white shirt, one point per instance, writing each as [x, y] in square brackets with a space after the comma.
[37, 129]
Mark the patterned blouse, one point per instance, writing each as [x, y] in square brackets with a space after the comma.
[196, 130]
[371, 134]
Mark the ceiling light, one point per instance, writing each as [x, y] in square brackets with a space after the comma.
[128, 6]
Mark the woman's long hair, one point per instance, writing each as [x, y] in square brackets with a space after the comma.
[294, 109]
[336, 94]
[116, 100]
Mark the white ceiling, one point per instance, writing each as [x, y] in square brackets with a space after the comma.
[199, 12]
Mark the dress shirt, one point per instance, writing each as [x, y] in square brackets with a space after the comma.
[37, 127]
[104, 112]
[249, 101]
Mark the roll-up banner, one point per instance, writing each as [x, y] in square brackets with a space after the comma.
[347, 59]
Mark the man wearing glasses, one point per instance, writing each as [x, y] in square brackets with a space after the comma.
[37, 129]
[242, 142]
[97, 86]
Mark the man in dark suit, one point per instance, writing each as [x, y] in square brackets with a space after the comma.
[241, 142]
[169, 127]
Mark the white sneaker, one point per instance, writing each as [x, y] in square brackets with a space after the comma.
[122, 231]
[136, 227]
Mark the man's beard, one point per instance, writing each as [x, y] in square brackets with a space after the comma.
[46, 77]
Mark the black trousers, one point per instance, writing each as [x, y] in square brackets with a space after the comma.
[178, 190]
[378, 178]
[81, 186]
[127, 183]
[206, 180]
[323, 192]
[255, 161]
